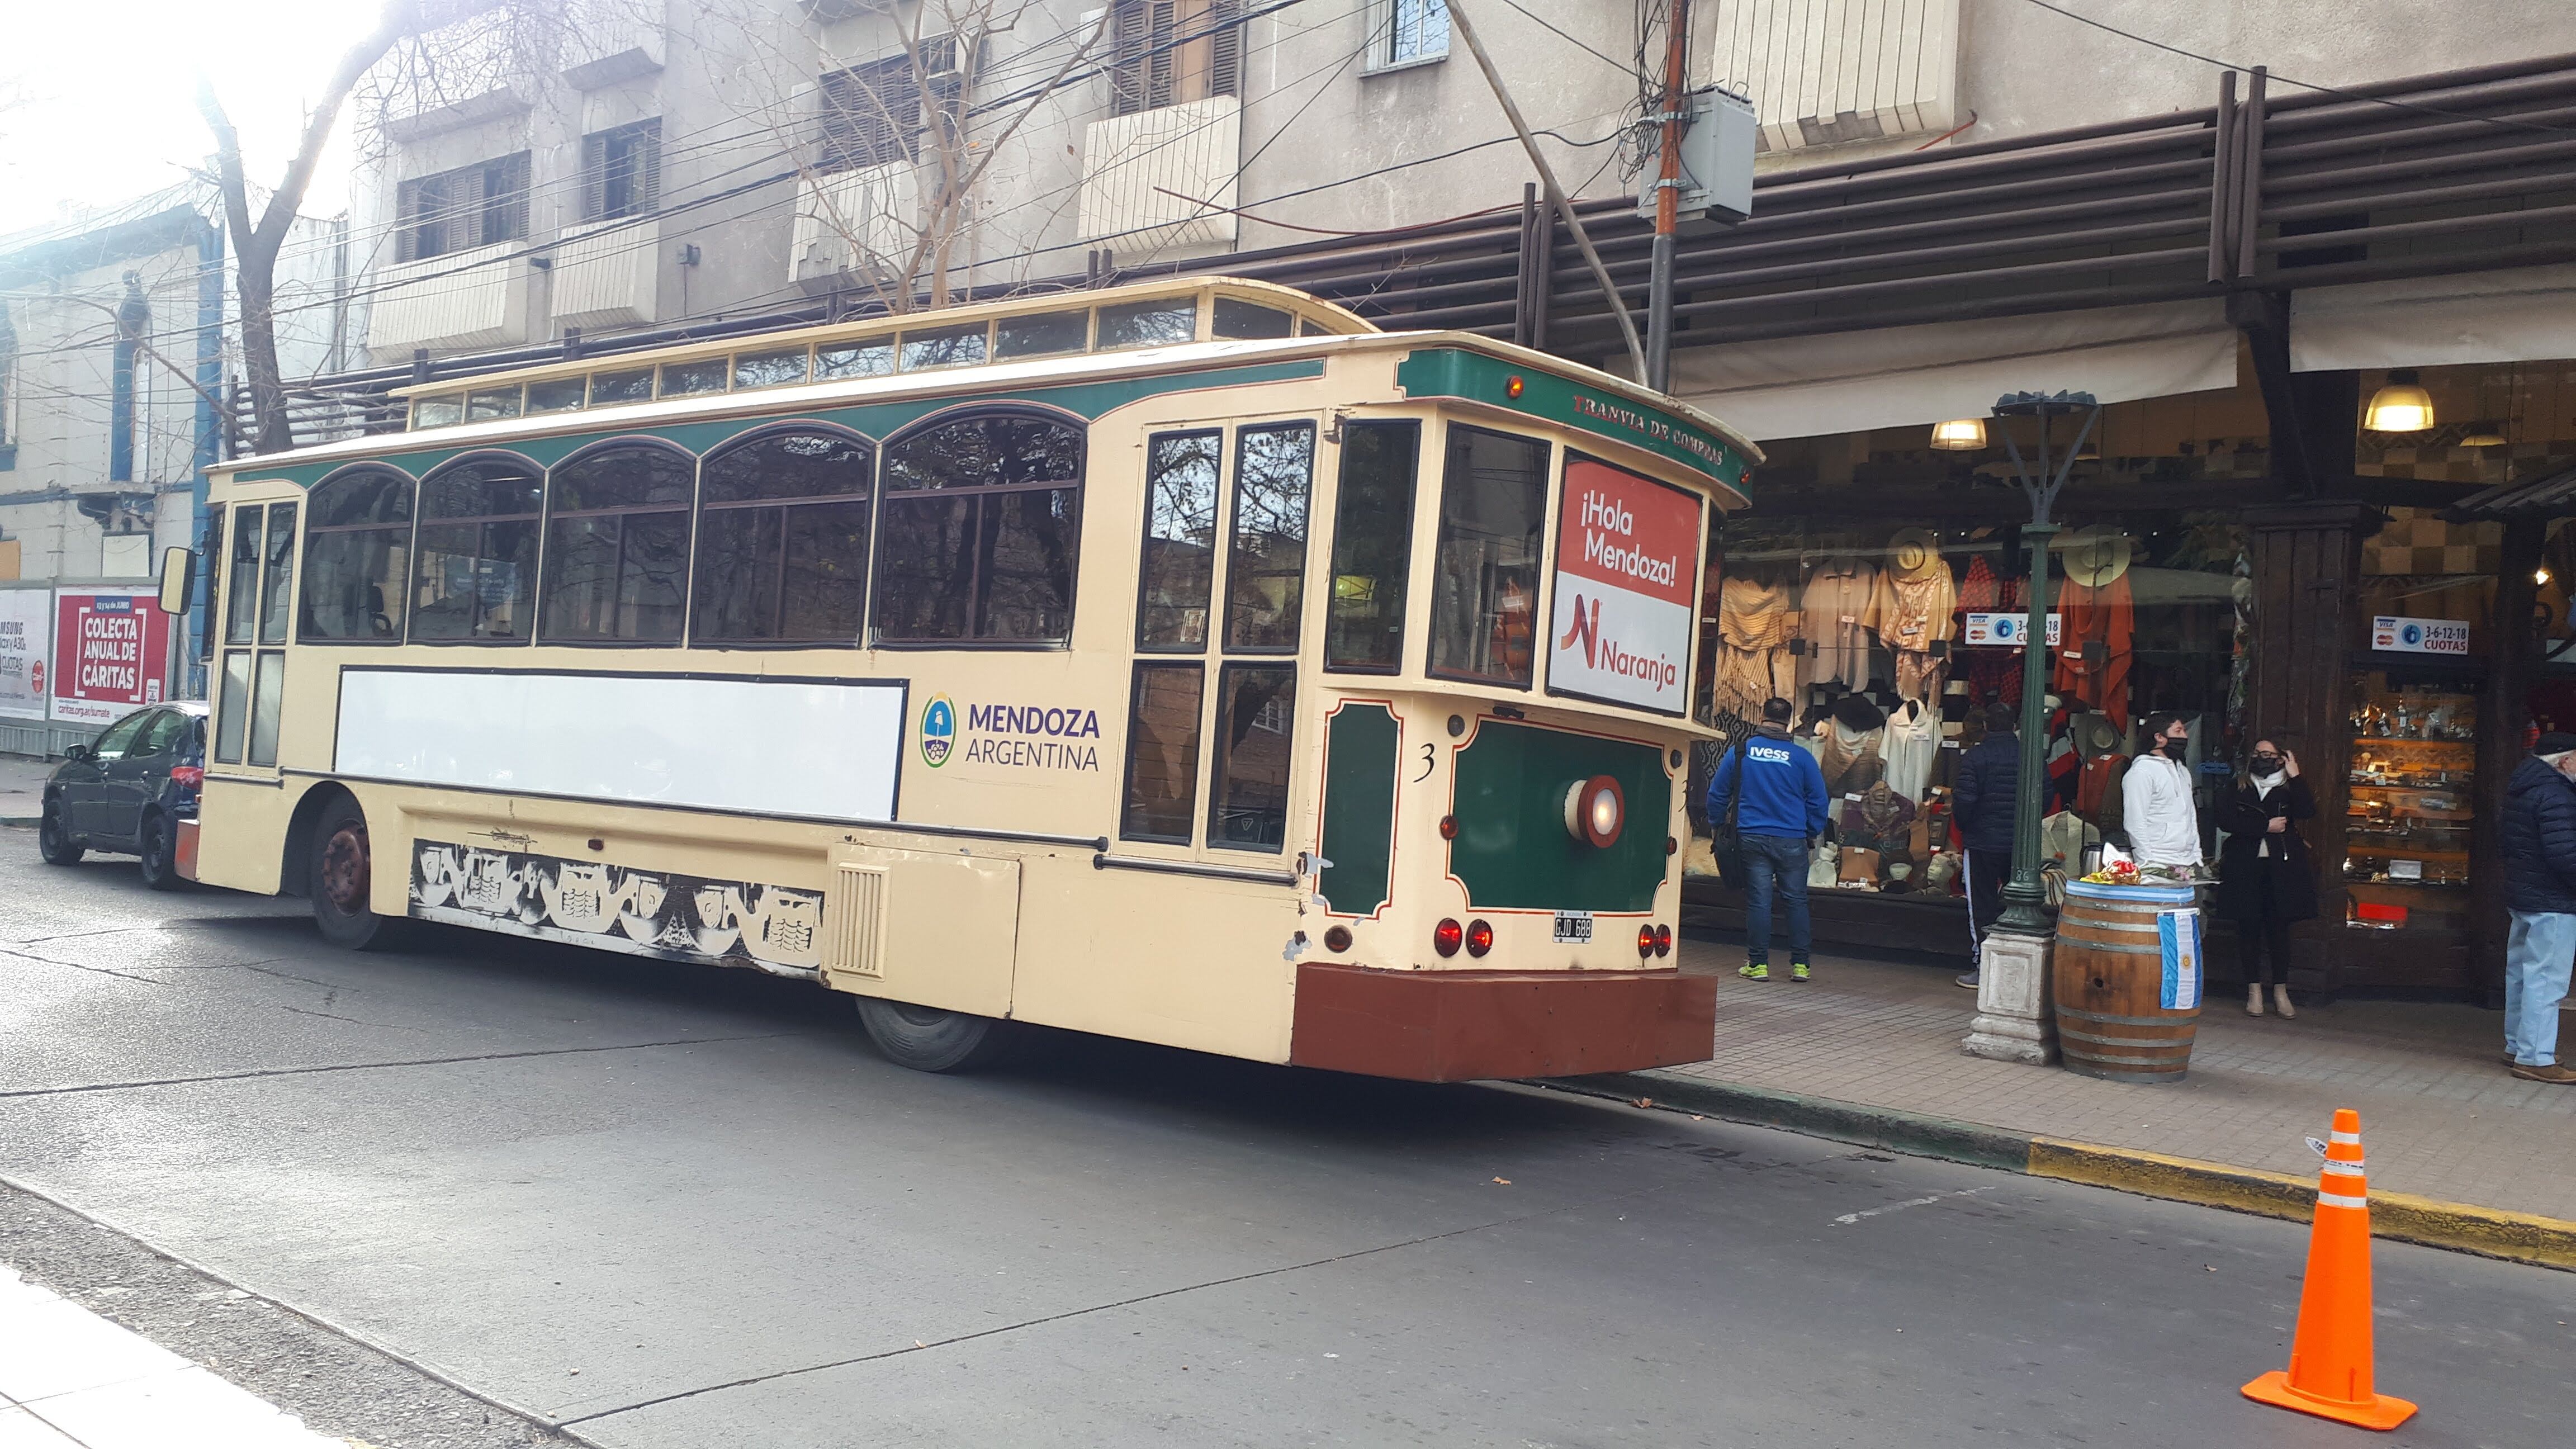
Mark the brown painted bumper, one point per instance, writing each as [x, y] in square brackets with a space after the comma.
[1452, 1026]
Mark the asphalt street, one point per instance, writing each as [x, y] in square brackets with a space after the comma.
[674, 1208]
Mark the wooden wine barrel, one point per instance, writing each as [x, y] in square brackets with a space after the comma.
[2111, 987]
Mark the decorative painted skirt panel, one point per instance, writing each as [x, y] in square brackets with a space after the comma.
[619, 908]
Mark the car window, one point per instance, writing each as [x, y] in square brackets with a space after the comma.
[119, 739]
[164, 734]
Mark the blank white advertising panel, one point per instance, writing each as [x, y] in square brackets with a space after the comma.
[827, 749]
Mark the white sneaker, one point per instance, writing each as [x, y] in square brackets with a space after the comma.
[2253, 1001]
[2281, 1003]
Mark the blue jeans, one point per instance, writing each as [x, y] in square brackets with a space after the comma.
[1777, 862]
[2537, 954]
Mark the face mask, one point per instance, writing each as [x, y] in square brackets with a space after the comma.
[2175, 749]
[2266, 764]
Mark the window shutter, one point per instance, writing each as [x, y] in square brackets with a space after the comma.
[594, 176]
[648, 166]
[461, 202]
[407, 222]
[1130, 35]
[514, 198]
[1225, 63]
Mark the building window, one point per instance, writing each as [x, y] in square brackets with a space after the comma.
[1407, 32]
[474, 568]
[621, 171]
[481, 205]
[617, 546]
[357, 557]
[783, 541]
[1164, 52]
[872, 114]
[983, 521]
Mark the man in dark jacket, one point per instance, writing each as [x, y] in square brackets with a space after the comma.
[2539, 830]
[1982, 810]
[1782, 814]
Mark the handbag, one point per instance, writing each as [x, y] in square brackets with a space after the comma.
[1725, 837]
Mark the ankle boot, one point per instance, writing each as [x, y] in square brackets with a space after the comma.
[2281, 1002]
[2254, 1000]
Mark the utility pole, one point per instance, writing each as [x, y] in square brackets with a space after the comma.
[1668, 198]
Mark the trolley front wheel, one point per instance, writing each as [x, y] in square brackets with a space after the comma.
[928, 1039]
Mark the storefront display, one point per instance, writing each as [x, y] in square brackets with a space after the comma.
[2409, 806]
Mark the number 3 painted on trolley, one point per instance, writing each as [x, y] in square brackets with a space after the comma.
[1427, 755]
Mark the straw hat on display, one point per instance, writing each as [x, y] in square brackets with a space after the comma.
[2096, 555]
[1913, 554]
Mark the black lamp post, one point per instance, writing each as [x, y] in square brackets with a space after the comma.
[2024, 900]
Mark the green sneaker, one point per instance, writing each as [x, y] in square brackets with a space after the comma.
[1797, 970]
[1754, 971]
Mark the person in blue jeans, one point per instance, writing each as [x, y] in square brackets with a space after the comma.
[2539, 838]
[1779, 822]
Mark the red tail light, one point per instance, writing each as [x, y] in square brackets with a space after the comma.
[1645, 941]
[1448, 827]
[1446, 936]
[1480, 938]
[191, 776]
[1663, 940]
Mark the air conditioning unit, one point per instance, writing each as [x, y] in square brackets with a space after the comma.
[855, 225]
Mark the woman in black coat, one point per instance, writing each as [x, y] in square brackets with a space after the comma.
[2266, 877]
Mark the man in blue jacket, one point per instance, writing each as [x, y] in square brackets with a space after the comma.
[1982, 808]
[2539, 838]
[1782, 815]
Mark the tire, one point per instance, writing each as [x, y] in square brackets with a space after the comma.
[338, 877]
[157, 848]
[55, 843]
[928, 1039]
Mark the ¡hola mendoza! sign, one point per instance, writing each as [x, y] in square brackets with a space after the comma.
[1626, 550]
[111, 654]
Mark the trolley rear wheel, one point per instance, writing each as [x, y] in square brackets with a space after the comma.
[928, 1039]
[341, 881]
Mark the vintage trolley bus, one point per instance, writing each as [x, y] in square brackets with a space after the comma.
[1191, 662]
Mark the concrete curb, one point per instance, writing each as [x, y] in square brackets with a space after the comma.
[2492, 1232]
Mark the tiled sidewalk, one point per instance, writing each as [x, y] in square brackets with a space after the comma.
[69, 1377]
[2441, 1116]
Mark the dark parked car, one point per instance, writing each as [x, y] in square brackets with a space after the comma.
[128, 791]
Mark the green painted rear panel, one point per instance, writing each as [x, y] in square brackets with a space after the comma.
[1359, 808]
[1513, 850]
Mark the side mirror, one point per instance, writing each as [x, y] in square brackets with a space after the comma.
[77, 753]
[178, 580]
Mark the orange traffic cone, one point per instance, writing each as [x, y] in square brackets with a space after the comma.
[2329, 1374]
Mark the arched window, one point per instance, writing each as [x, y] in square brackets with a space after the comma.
[982, 523]
[474, 571]
[617, 546]
[783, 540]
[357, 557]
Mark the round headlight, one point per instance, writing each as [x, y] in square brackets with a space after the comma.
[1595, 811]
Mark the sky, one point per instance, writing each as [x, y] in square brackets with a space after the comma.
[98, 102]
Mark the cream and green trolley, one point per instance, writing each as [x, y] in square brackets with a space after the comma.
[1191, 662]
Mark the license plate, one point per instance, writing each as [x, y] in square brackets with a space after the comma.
[1574, 926]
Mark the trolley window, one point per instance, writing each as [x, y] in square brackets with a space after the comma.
[1163, 753]
[783, 540]
[357, 558]
[617, 547]
[1265, 573]
[1179, 562]
[1372, 547]
[474, 568]
[1484, 578]
[982, 524]
[1255, 710]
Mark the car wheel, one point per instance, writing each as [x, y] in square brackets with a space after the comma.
[927, 1039]
[157, 845]
[54, 842]
[342, 873]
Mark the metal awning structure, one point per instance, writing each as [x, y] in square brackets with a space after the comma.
[2550, 496]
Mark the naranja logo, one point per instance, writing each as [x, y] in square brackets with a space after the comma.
[1607, 655]
[938, 730]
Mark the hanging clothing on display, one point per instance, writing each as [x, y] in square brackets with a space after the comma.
[1991, 672]
[1917, 607]
[1754, 625]
[1880, 820]
[2097, 621]
[1850, 753]
[1839, 609]
[2064, 837]
[1908, 744]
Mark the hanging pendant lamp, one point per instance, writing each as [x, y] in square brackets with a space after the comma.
[2401, 406]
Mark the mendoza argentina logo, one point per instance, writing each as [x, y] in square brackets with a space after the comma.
[938, 730]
